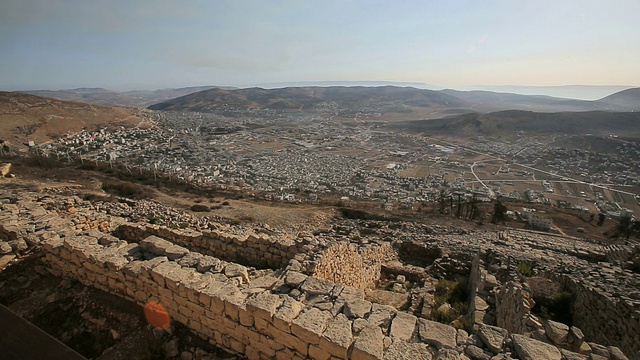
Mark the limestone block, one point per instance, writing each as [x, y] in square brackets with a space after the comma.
[285, 314]
[616, 353]
[448, 354]
[313, 286]
[402, 350]
[570, 355]
[160, 272]
[381, 315]
[337, 338]
[357, 308]
[318, 353]
[530, 349]
[368, 344]
[476, 353]
[288, 340]
[294, 278]
[264, 305]
[236, 270]
[493, 337]
[437, 334]
[310, 324]
[556, 331]
[403, 326]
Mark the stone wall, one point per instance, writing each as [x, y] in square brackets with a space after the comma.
[513, 308]
[344, 264]
[260, 251]
[251, 319]
[605, 318]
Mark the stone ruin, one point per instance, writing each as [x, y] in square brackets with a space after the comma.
[271, 295]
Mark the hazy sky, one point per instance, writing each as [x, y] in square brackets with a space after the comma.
[145, 44]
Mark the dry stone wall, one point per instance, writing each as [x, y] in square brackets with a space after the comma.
[246, 318]
[256, 250]
[344, 264]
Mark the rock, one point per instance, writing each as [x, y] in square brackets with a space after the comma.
[170, 348]
[368, 344]
[616, 353]
[337, 338]
[402, 350]
[398, 300]
[556, 331]
[447, 354]
[476, 353]
[437, 334]
[570, 355]
[206, 263]
[530, 349]
[493, 337]
[5, 248]
[357, 308]
[18, 245]
[186, 355]
[114, 334]
[5, 168]
[576, 333]
[236, 270]
[313, 286]
[294, 278]
[490, 282]
[599, 349]
[403, 326]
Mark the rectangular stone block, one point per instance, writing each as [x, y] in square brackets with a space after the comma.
[310, 324]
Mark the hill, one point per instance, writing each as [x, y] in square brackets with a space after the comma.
[388, 99]
[488, 101]
[312, 98]
[510, 122]
[135, 98]
[25, 118]
[628, 100]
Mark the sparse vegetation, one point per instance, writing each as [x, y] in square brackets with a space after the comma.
[453, 293]
[126, 189]
[525, 269]
[200, 208]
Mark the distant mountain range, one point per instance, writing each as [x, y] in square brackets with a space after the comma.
[391, 99]
[136, 98]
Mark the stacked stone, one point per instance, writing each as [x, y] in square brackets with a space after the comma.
[258, 250]
[248, 319]
[347, 264]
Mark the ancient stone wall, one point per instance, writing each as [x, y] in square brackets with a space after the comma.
[344, 264]
[513, 308]
[604, 318]
[255, 250]
[250, 319]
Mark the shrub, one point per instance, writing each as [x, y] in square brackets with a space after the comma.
[200, 208]
[525, 269]
[126, 189]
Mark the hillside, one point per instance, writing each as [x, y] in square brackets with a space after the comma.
[628, 100]
[388, 99]
[137, 98]
[26, 117]
[488, 101]
[510, 122]
[312, 98]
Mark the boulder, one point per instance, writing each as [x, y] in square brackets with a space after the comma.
[556, 331]
[493, 337]
[437, 334]
[530, 349]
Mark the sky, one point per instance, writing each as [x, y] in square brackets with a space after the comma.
[150, 44]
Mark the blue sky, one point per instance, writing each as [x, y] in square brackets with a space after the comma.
[147, 44]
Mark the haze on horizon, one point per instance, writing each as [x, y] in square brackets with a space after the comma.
[124, 45]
